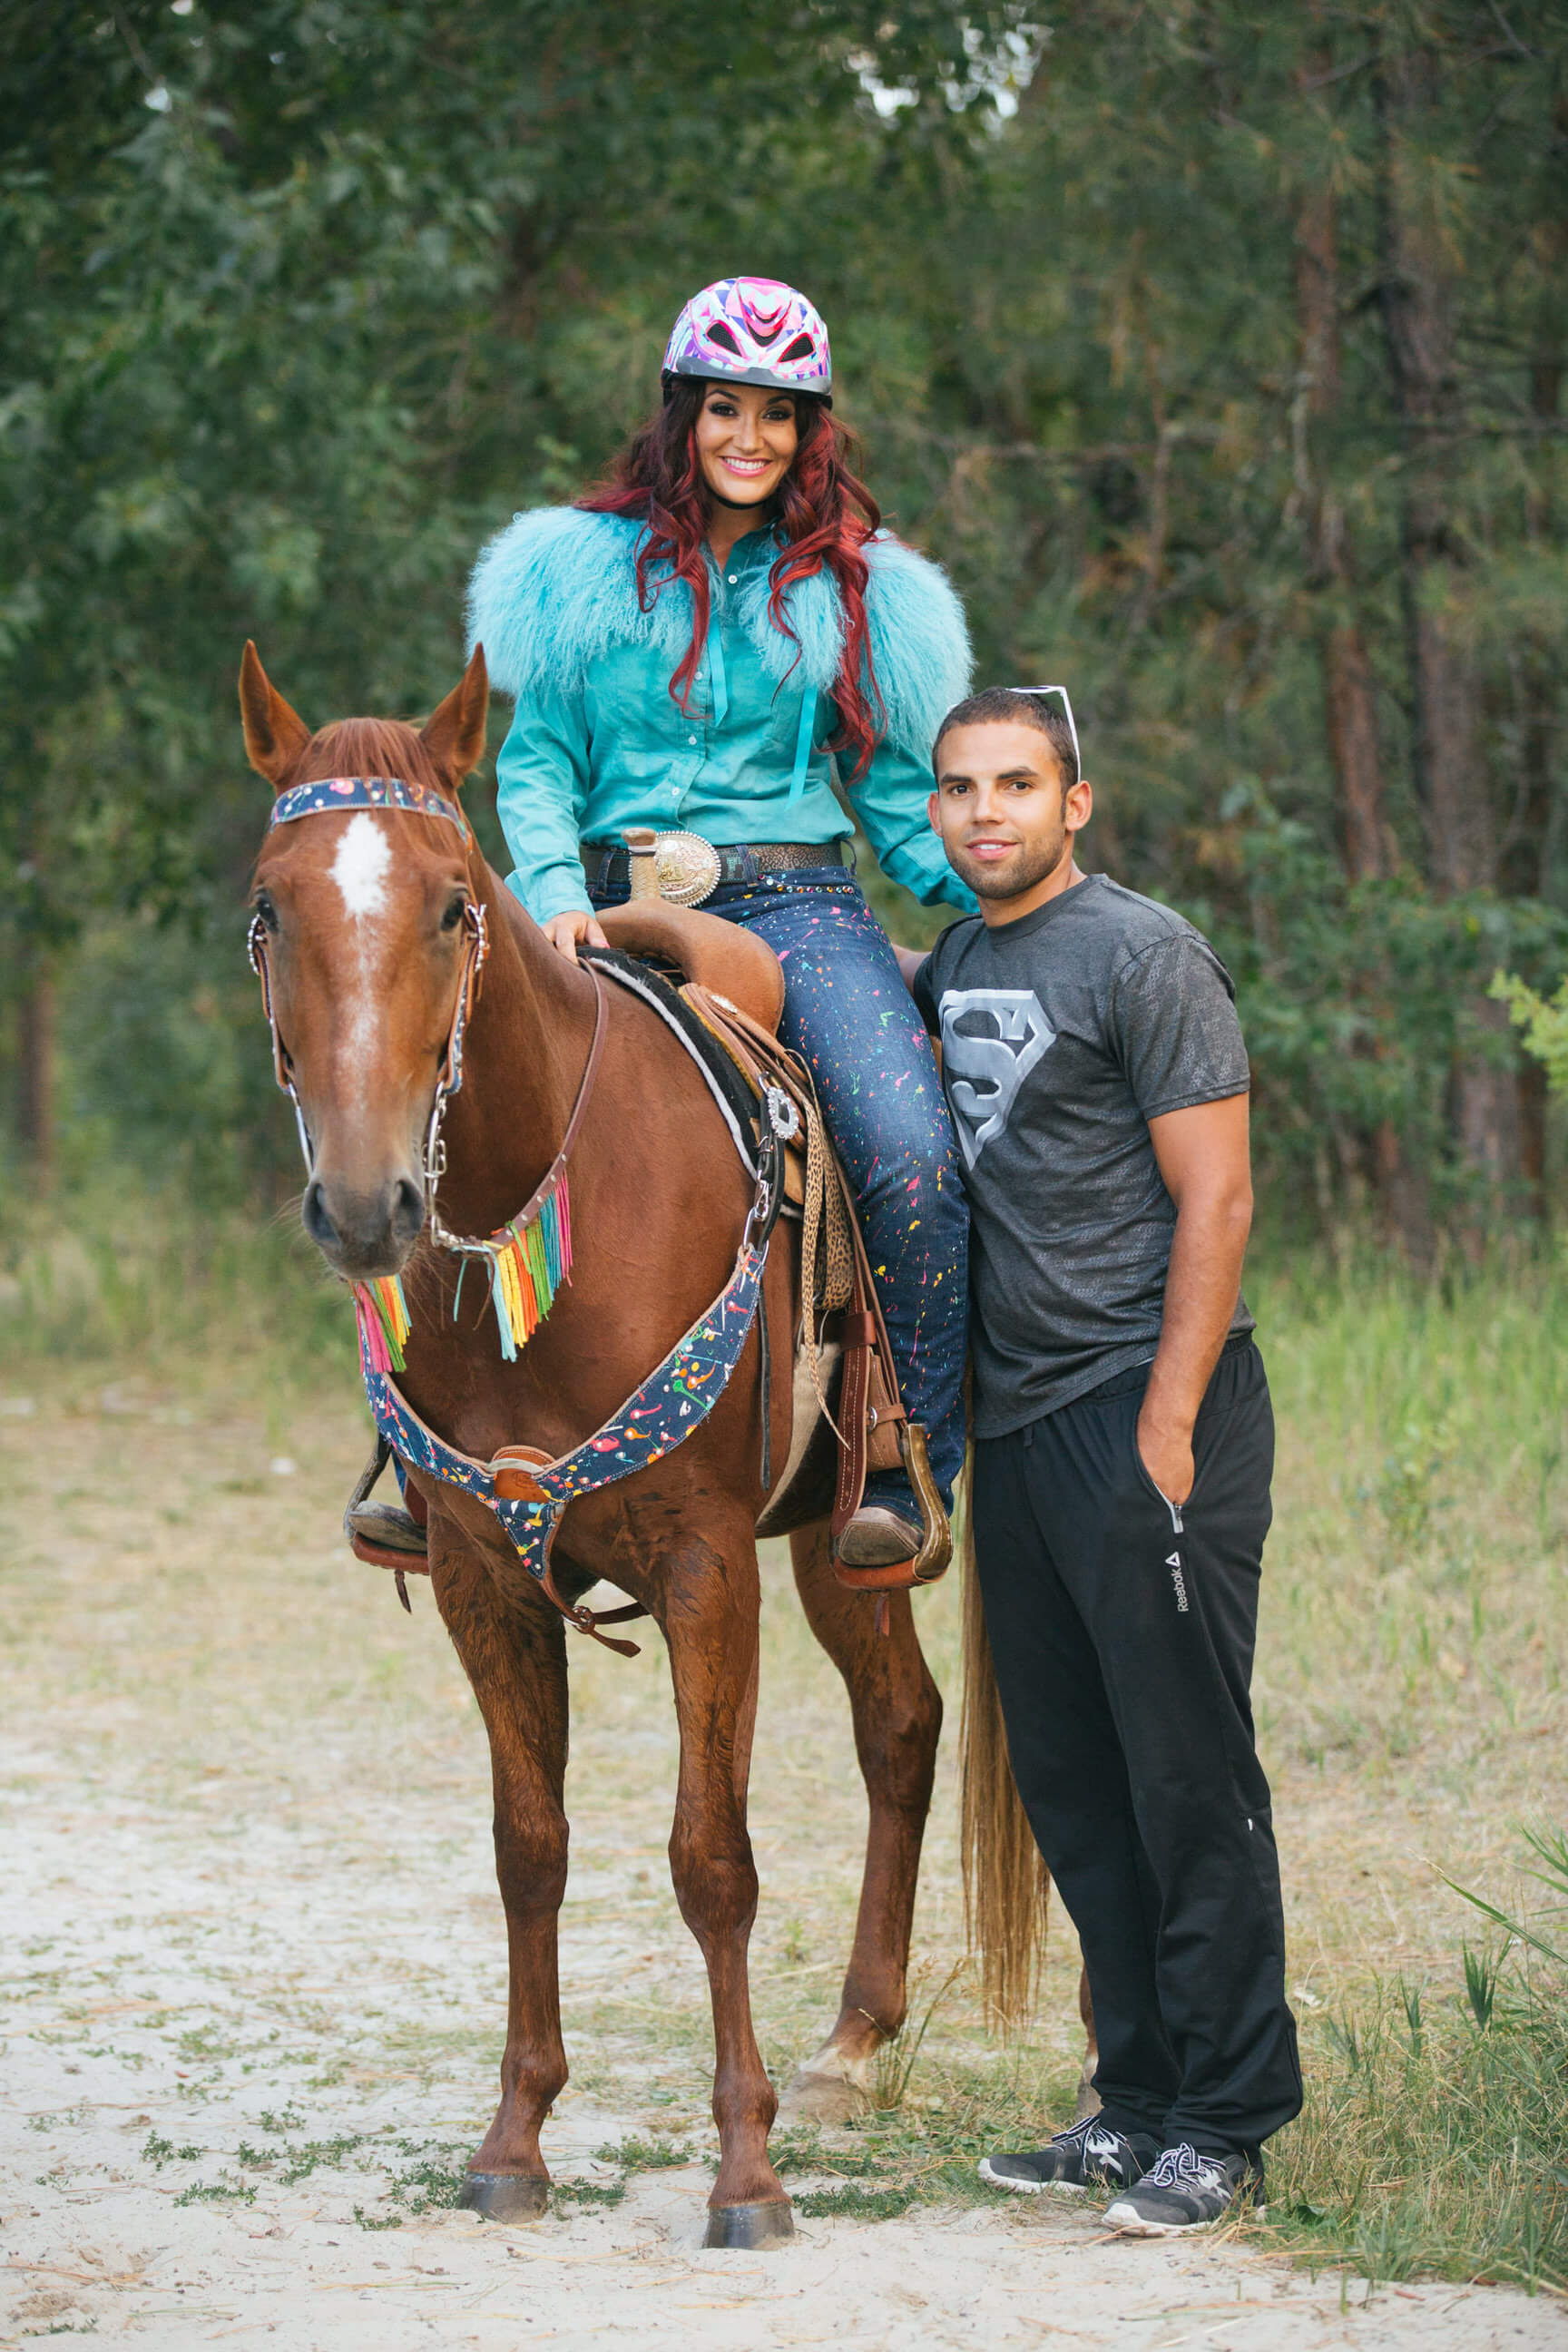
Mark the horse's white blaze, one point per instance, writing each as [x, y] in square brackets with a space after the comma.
[359, 1024]
[361, 866]
[360, 870]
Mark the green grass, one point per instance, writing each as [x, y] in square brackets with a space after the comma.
[1435, 2137]
[646, 2153]
[587, 2192]
[856, 2203]
[224, 2190]
[1414, 1589]
[1431, 2145]
[95, 1276]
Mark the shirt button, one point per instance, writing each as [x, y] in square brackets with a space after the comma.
[735, 579]
[691, 739]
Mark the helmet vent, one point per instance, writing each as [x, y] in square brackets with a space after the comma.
[801, 349]
[720, 333]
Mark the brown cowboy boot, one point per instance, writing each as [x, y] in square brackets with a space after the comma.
[384, 1534]
[877, 1537]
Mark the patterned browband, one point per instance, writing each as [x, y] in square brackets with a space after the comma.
[328, 794]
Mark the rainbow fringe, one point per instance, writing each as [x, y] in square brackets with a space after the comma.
[384, 1324]
[527, 1266]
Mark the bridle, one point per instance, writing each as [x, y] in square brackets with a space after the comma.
[328, 796]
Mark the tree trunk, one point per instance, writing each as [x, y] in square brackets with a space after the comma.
[1416, 301]
[1350, 693]
[1527, 843]
[1415, 295]
[1350, 689]
[36, 1077]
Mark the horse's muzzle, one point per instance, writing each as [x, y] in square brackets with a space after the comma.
[363, 1235]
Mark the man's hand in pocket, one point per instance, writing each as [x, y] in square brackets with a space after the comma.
[1167, 1456]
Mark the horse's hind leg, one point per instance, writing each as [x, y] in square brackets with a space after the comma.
[897, 1712]
[515, 1655]
[708, 1611]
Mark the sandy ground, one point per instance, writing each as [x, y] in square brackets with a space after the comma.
[255, 1972]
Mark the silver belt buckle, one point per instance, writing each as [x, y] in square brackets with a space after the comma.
[688, 868]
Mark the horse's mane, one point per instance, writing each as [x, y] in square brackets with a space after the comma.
[367, 746]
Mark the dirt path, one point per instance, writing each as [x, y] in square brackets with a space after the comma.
[256, 1965]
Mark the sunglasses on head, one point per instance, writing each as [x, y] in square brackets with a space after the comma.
[1066, 707]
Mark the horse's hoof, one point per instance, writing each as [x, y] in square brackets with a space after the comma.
[749, 2226]
[505, 2196]
[822, 2099]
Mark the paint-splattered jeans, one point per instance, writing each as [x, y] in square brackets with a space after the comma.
[849, 1014]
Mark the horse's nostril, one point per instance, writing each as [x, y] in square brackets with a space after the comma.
[313, 1213]
[407, 1207]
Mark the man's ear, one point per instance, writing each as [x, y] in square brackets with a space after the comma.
[934, 812]
[1079, 805]
[275, 736]
[454, 735]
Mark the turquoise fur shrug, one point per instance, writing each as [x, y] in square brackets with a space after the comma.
[598, 744]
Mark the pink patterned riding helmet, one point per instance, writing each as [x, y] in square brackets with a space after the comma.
[751, 331]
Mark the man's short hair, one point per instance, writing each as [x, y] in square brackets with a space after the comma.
[1014, 706]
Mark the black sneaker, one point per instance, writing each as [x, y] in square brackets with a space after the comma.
[1184, 2190]
[1088, 2156]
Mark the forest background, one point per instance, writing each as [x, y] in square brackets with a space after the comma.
[1216, 349]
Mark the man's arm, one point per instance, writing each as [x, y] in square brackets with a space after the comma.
[1205, 1161]
[910, 962]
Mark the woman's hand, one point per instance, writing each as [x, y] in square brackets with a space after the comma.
[563, 932]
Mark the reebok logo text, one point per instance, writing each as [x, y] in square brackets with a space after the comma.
[1178, 1581]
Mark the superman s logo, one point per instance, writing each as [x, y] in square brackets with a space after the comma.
[991, 1040]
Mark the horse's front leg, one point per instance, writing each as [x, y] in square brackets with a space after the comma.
[709, 1607]
[513, 1652]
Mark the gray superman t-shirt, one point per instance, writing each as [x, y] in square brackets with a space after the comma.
[1063, 1034]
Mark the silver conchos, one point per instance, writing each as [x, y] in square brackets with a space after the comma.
[783, 1117]
[686, 866]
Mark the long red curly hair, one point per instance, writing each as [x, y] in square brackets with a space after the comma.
[824, 511]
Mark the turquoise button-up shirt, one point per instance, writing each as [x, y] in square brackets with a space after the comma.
[744, 761]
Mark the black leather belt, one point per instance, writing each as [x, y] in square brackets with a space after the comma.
[607, 863]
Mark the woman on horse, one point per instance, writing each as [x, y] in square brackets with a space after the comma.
[698, 645]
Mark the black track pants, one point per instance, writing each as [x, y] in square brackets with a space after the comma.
[1124, 1645]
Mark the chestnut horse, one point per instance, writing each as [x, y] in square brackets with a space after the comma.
[364, 917]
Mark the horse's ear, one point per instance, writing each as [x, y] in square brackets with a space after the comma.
[274, 735]
[454, 735]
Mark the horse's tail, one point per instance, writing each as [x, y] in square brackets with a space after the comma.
[1005, 1885]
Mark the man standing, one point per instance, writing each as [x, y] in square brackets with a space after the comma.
[1124, 1440]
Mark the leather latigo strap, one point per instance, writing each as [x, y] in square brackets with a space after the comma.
[870, 1408]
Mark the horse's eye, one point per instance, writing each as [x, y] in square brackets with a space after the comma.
[266, 910]
[456, 906]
